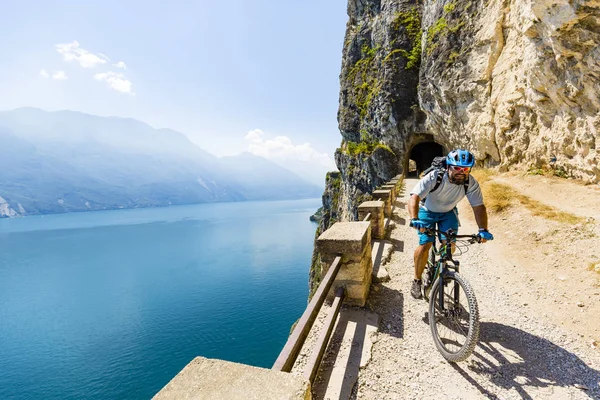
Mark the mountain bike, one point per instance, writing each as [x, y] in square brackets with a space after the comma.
[441, 280]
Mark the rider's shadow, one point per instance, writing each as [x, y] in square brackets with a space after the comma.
[399, 204]
[389, 304]
[515, 359]
[398, 220]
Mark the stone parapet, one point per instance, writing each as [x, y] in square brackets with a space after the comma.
[396, 182]
[209, 379]
[376, 210]
[353, 241]
[384, 195]
[392, 188]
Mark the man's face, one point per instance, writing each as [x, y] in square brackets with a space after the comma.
[458, 175]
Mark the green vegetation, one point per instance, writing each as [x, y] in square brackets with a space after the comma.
[392, 53]
[333, 184]
[333, 179]
[440, 29]
[535, 171]
[411, 21]
[366, 148]
[440, 26]
[363, 76]
[448, 8]
[437, 29]
[456, 28]
[559, 171]
[452, 57]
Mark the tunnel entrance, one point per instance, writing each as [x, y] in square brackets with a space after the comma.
[421, 156]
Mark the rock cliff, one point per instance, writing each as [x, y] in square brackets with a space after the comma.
[515, 81]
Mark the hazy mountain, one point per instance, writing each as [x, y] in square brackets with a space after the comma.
[65, 161]
[311, 172]
[258, 178]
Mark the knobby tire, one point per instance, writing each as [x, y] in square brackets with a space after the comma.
[473, 334]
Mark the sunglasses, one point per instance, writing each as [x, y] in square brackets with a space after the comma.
[457, 169]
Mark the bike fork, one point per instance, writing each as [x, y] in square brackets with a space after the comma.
[456, 289]
[441, 292]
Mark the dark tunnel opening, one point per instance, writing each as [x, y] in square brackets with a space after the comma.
[421, 156]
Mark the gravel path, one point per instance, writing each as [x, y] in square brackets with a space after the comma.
[520, 355]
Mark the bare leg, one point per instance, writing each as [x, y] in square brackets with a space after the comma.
[452, 246]
[421, 254]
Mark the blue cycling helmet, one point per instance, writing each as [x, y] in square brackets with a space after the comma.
[460, 158]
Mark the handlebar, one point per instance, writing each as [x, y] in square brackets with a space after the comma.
[451, 235]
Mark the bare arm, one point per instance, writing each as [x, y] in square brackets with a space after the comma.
[481, 216]
[413, 206]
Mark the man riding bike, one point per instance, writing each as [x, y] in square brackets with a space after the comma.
[433, 201]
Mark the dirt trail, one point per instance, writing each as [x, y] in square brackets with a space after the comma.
[550, 261]
[578, 199]
[538, 304]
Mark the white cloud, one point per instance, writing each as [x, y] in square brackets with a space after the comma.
[44, 73]
[281, 147]
[255, 136]
[72, 52]
[59, 75]
[116, 81]
[120, 64]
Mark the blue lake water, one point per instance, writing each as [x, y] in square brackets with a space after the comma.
[113, 304]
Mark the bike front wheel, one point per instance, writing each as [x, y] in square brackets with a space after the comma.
[454, 322]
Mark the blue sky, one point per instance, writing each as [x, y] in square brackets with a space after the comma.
[231, 75]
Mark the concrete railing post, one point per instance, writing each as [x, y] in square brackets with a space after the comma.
[377, 219]
[384, 195]
[392, 188]
[353, 241]
[205, 378]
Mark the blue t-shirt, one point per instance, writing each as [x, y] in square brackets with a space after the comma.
[447, 195]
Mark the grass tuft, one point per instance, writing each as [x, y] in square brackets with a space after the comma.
[483, 174]
[594, 266]
[499, 197]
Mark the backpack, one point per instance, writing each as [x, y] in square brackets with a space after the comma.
[439, 165]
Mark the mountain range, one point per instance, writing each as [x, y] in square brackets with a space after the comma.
[64, 161]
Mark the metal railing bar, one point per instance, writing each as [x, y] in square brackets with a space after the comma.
[315, 359]
[292, 347]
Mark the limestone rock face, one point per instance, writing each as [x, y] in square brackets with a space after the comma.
[516, 81]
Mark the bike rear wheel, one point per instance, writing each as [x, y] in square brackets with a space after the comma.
[455, 327]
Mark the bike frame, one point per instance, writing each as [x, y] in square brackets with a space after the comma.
[441, 265]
